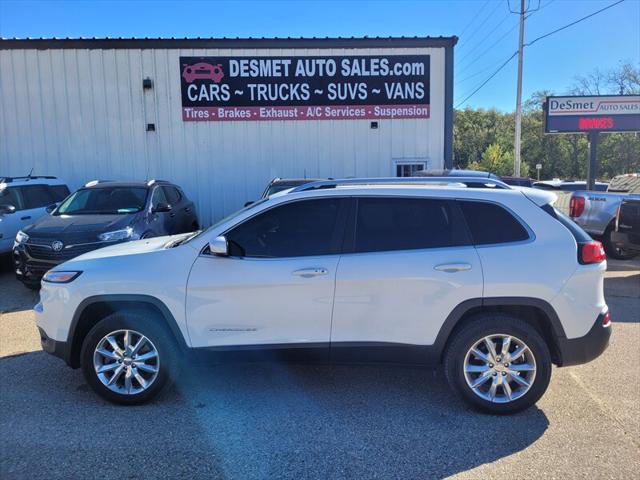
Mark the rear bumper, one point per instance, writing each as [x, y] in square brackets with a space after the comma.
[626, 241]
[575, 351]
[54, 347]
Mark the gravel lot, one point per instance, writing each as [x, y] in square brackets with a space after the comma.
[266, 421]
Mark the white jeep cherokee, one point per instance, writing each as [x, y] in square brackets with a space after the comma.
[489, 280]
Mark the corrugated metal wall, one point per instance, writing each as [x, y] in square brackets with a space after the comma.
[81, 114]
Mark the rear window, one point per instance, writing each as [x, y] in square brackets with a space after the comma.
[387, 224]
[578, 233]
[59, 192]
[490, 223]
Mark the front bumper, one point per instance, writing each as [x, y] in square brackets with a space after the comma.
[54, 347]
[29, 269]
[575, 351]
[626, 241]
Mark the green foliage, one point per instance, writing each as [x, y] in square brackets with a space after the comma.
[483, 139]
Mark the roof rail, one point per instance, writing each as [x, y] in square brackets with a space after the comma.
[154, 181]
[27, 177]
[93, 183]
[469, 182]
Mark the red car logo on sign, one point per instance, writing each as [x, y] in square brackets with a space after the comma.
[202, 71]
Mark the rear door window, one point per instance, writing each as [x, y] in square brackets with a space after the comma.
[37, 196]
[172, 195]
[389, 224]
[490, 223]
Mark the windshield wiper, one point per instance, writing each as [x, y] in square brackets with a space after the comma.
[180, 241]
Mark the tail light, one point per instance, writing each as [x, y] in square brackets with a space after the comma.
[606, 320]
[576, 206]
[618, 218]
[591, 252]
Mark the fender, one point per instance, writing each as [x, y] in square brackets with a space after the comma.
[123, 298]
[458, 313]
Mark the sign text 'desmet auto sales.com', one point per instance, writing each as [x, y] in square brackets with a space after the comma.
[305, 88]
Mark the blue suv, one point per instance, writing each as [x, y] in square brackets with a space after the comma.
[101, 213]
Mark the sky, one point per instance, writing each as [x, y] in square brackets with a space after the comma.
[487, 31]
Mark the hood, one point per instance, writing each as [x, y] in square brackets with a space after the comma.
[135, 247]
[77, 226]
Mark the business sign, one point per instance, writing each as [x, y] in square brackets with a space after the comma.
[578, 114]
[305, 88]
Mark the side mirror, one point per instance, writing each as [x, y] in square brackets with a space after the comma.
[219, 246]
[161, 208]
[251, 202]
[51, 208]
[7, 209]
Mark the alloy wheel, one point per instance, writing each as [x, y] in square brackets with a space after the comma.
[500, 368]
[126, 362]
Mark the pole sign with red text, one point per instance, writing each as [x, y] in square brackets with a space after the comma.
[582, 114]
[305, 88]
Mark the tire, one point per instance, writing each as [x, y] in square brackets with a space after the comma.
[157, 340]
[611, 250]
[498, 326]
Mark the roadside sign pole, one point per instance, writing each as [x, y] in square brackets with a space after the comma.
[592, 170]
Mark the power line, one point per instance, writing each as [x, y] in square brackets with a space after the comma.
[465, 41]
[468, 77]
[573, 23]
[485, 37]
[475, 17]
[531, 43]
[487, 80]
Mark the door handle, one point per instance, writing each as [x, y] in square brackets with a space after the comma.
[452, 267]
[310, 272]
[28, 217]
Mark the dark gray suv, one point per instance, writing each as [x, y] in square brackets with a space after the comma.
[98, 215]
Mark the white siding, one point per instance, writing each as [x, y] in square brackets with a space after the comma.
[81, 114]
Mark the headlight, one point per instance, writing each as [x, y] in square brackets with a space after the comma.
[116, 235]
[21, 237]
[53, 276]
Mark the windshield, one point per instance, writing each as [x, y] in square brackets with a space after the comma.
[104, 201]
[226, 219]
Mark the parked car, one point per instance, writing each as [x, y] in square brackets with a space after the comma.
[279, 184]
[627, 234]
[23, 200]
[596, 211]
[352, 270]
[97, 215]
[568, 185]
[518, 181]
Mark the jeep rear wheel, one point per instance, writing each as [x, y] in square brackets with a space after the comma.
[498, 363]
[126, 358]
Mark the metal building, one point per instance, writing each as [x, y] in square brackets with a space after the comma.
[222, 117]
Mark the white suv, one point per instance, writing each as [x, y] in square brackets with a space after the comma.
[487, 279]
[23, 200]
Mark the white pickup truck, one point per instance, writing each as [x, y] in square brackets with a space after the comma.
[596, 211]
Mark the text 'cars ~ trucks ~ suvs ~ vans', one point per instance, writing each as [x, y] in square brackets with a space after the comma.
[489, 280]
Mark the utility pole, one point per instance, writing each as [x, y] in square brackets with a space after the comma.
[516, 163]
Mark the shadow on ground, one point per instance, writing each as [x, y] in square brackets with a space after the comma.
[251, 421]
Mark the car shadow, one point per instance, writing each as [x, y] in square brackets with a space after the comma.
[254, 421]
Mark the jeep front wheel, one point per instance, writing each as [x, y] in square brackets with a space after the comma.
[126, 358]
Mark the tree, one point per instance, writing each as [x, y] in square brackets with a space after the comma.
[483, 139]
